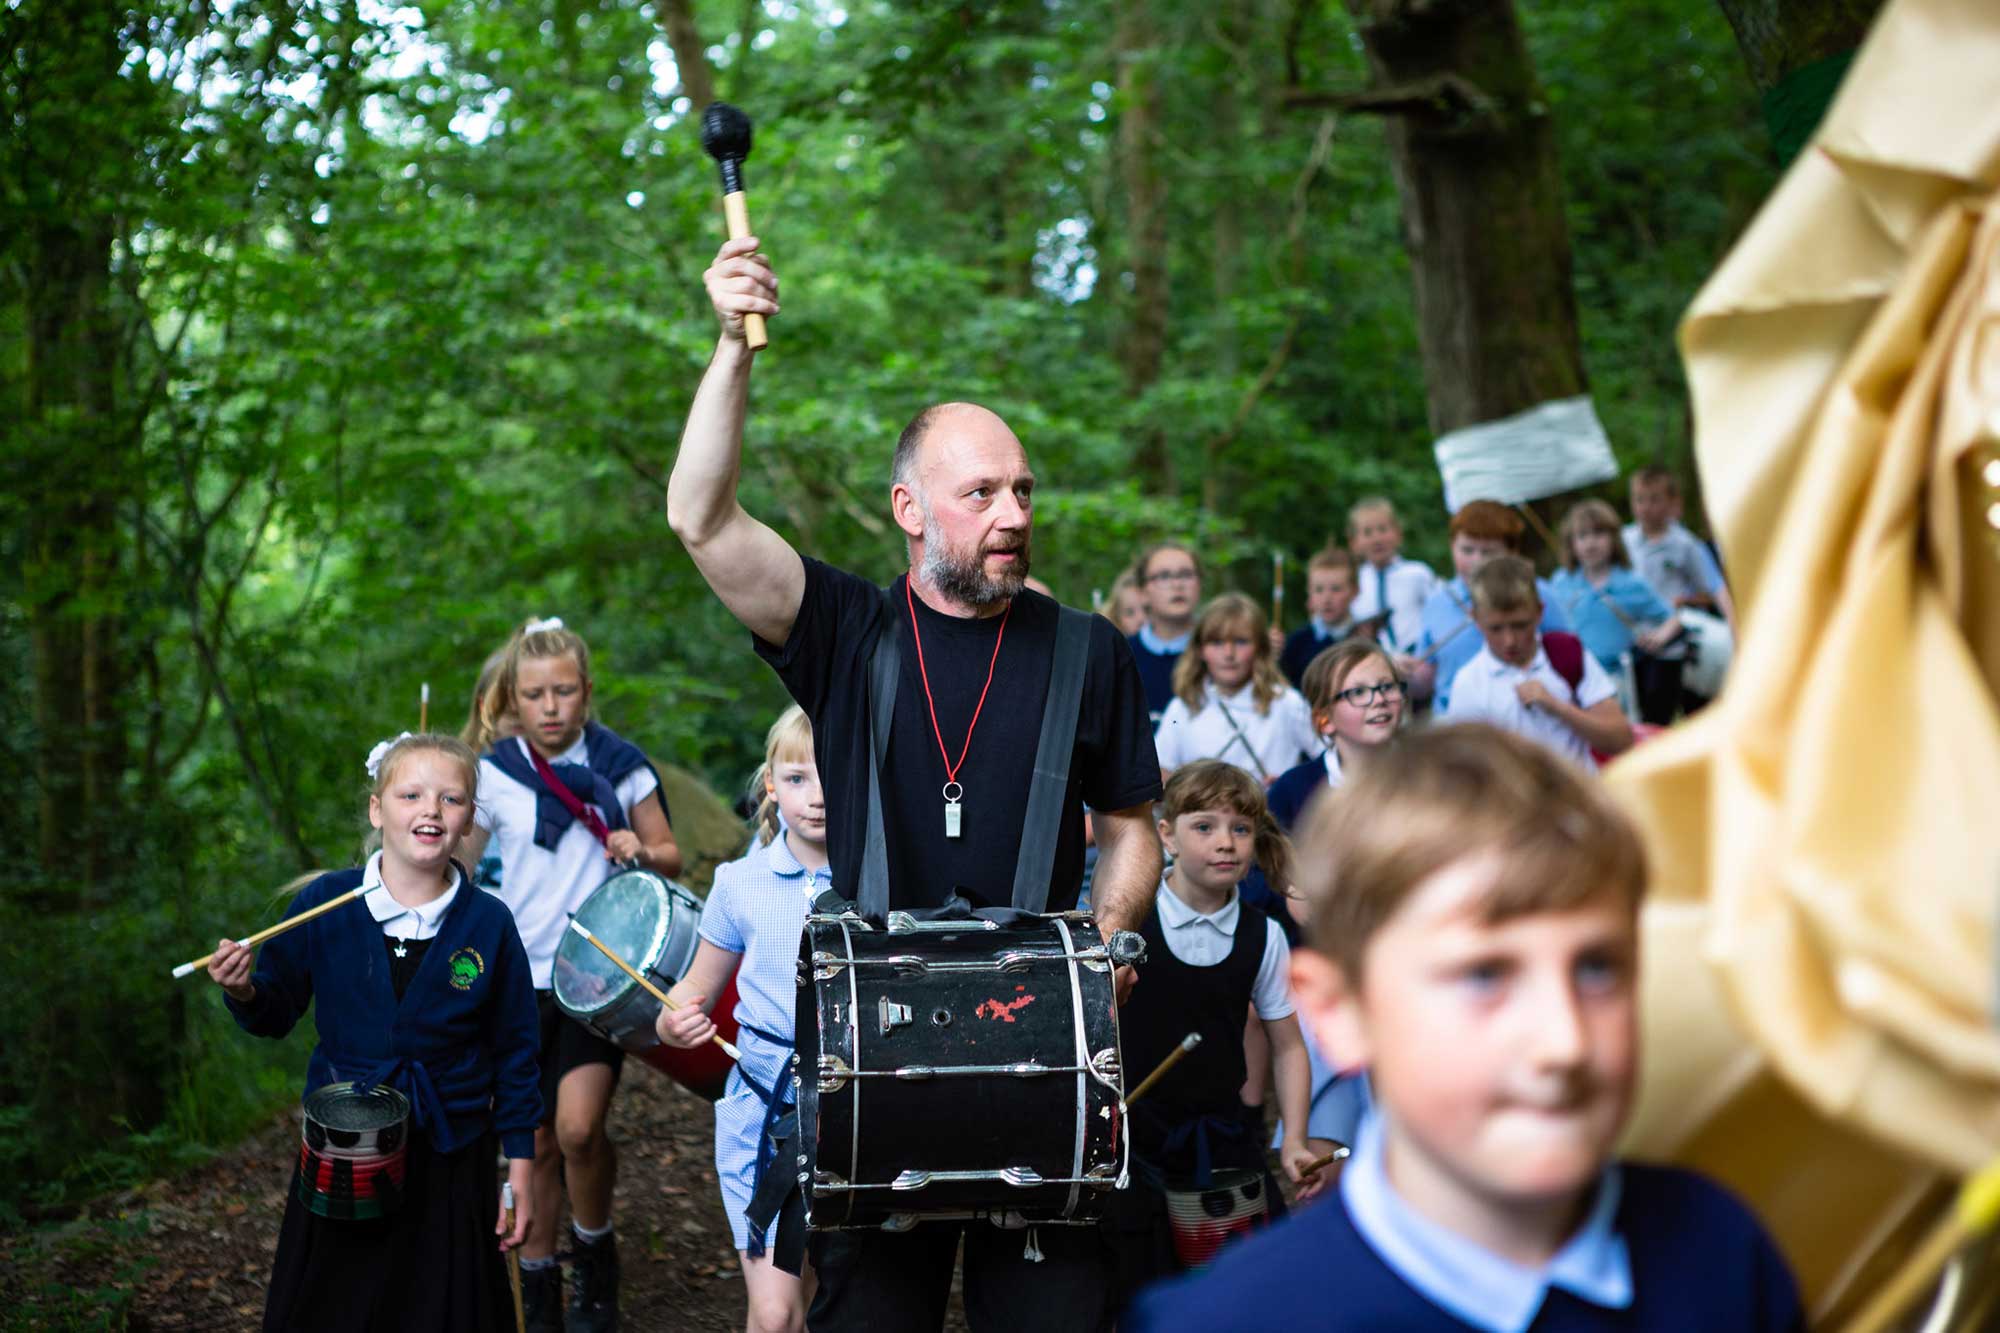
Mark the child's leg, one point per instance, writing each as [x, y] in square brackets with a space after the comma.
[541, 1241]
[1256, 1060]
[590, 1163]
[778, 1300]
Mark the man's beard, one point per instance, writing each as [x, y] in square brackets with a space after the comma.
[961, 575]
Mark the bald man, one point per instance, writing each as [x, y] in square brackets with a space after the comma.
[961, 490]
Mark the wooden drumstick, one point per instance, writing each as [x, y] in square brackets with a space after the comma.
[1319, 1164]
[725, 133]
[424, 709]
[1973, 1214]
[281, 927]
[1174, 1057]
[1278, 589]
[1438, 647]
[651, 989]
[513, 1259]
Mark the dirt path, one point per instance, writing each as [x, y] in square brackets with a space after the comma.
[194, 1253]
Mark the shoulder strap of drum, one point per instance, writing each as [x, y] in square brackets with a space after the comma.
[884, 663]
[1043, 824]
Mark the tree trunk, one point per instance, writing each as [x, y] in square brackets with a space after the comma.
[690, 53]
[79, 453]
[1143, 349]
[1797, 51]
[1473, 153]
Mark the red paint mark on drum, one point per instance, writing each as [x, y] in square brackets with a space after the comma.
[1003, 1009]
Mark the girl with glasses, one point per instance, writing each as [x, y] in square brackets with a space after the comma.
[1358, 701]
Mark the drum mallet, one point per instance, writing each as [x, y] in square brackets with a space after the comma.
[1319, 1164]
[513, 1258]
[1174, 1057]
[651, 989]
[1973, 1214]
[725, 133]
[281, 927]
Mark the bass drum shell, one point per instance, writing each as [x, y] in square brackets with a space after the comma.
[654, 924]
[903, 1115]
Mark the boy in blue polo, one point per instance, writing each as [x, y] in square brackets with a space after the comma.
[1474, 945]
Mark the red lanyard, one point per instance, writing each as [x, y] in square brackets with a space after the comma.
[951, 769]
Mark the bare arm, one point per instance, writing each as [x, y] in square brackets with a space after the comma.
[1603, 725]
[1128, 867]
[1292, 1072]
[696, 993]
[650, 840]
[755, 572]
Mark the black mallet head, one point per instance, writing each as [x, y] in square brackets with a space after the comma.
[725, 133]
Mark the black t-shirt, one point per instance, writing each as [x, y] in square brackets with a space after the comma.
[825, 666]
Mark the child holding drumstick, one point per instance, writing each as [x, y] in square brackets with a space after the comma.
[754, 915]
[420, 985]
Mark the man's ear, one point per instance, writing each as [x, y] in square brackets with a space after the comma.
[1331, 1010]
[907, 510]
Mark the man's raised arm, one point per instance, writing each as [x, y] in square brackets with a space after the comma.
[755, 572]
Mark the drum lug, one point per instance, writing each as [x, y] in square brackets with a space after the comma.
[826, 964]
[899, 1222]
[1104, 1068]
[892, 1015]
[902, 923]
[834, 1073]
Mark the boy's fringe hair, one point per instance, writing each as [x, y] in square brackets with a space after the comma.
[1228, 614]
[1488, 521]
[1327, 673]
[789, 741]
[1368, 503]
[1216, 784]
[1448, 794]
[1592, 516]
[1504, 583]
[498, 701]
[1331, 557]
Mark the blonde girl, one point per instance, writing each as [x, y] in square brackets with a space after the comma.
[1230, 701]
[751, 926]
[565, 801]
[456, 1037]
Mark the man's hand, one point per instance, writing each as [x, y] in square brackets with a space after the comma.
[740, 282]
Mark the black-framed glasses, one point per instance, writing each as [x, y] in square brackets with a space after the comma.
[1363, 695]
[1173, 576]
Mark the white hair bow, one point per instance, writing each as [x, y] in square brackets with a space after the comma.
[537, 626]
[381, 751]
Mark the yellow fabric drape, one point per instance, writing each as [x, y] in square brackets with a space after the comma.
[1826, 836]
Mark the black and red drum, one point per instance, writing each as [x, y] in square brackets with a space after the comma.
[653, 924]
[1204, 1219]
[957, 1069]
[355, 1153]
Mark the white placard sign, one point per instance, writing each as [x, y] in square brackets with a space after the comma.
[1555, 447]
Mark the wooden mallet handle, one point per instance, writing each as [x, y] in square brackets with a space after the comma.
[1319, 1164]
[513, 1259]
[280, 928]
[1174, 1057]
[651, 989]
[725, 134]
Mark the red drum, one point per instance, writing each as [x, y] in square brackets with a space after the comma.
[653, 924]
[356, 1147]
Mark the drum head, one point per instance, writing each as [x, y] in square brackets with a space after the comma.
[632, 913]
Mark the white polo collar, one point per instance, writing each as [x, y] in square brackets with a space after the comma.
[1467, 1281]
[1158, 646]
[1536, 664]
[1177, 915]
[408, 923]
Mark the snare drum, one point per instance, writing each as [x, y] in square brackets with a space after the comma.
[355, 1152]
[957, 1069]
[652, 923]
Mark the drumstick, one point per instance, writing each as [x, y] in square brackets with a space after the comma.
[1174, 1057]
[513, 1259]
[281, 927]
[1432, 651]
[1278, 589]
[424, 708]
[651, 989]
[1973, 1213]
[1319, 1164]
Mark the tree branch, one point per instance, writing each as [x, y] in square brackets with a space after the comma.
[1449, 100]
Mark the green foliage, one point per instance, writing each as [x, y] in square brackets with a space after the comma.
[410, 315]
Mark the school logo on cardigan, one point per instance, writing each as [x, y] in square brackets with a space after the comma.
[466, 966]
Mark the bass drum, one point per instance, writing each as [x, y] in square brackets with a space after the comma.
[653, 924]
[957, 1069]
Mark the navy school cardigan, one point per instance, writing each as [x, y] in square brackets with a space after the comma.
[462, 1044]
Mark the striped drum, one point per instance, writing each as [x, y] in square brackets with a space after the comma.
[356, 1144]
[1204, 1220]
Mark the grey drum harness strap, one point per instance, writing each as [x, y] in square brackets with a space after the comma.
[1043, 823]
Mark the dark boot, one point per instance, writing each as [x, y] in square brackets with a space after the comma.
[593, 1285]
[542, 1299]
